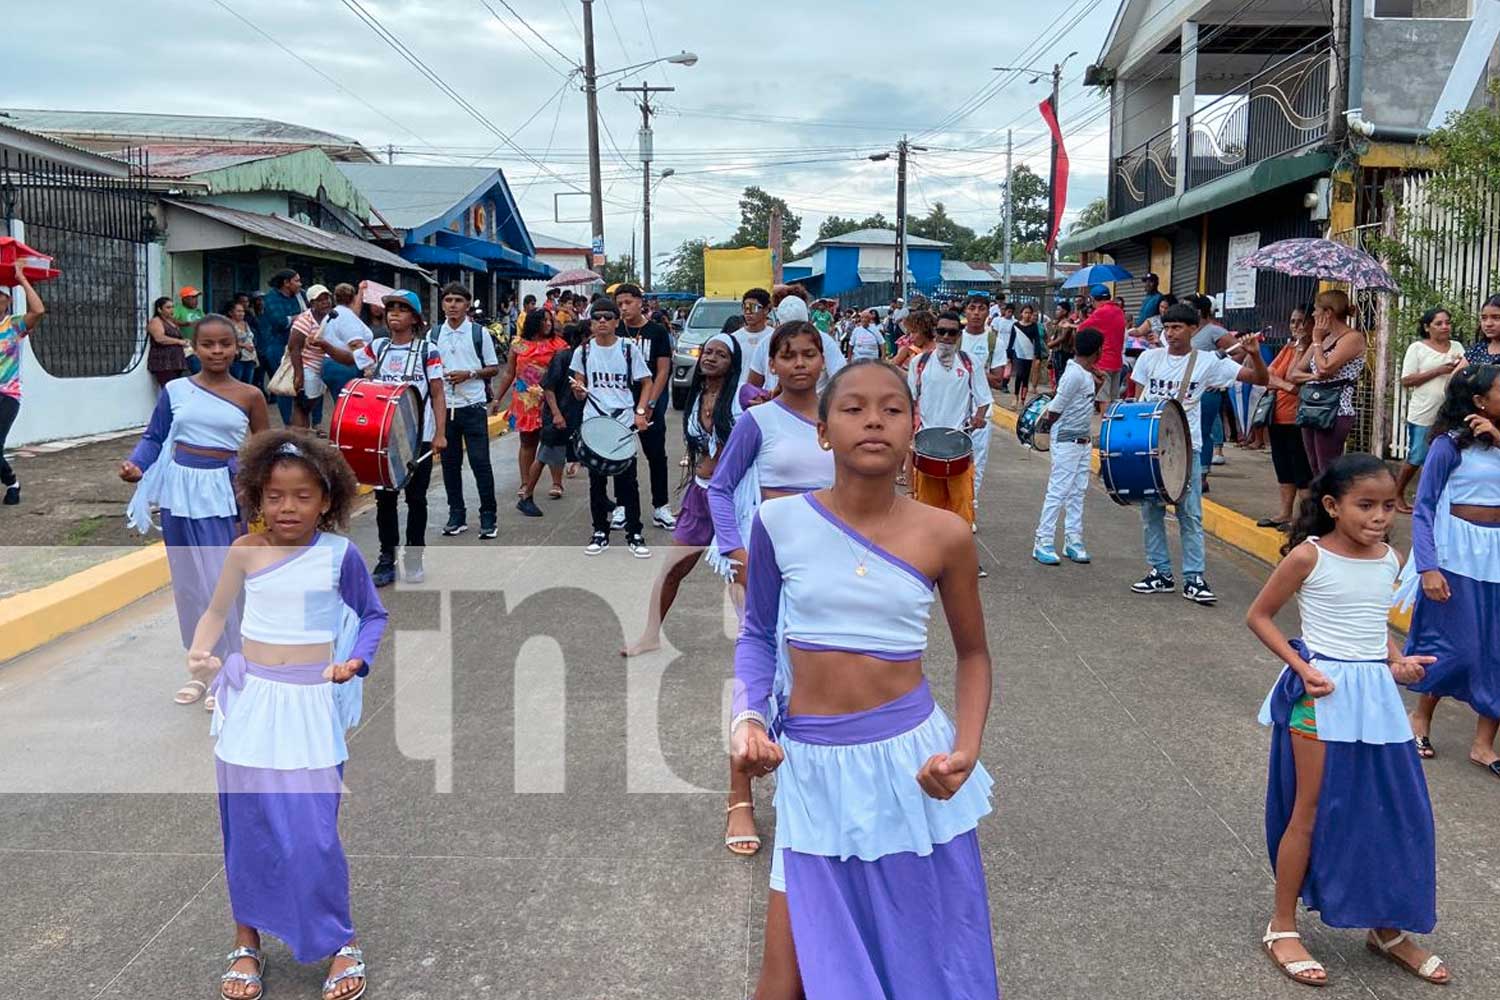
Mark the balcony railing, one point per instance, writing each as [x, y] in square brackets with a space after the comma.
[1280, 110]
[1145, 175]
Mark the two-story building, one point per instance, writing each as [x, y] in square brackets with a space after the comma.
[858, 268]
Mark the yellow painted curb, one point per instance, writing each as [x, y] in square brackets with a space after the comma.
[34, 618]
[1221, 522]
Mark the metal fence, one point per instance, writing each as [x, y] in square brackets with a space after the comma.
[1145, 175]
[97, 230]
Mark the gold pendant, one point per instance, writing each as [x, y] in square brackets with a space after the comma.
[860, 570]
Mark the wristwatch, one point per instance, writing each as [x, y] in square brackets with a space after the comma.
[640, 411]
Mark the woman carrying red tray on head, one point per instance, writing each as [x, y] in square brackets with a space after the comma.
[12, 330]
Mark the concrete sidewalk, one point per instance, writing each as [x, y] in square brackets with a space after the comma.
[532, 817]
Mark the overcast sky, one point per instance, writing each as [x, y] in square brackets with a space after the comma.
[789, 96]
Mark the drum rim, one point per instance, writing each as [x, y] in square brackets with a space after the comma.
[947, 432]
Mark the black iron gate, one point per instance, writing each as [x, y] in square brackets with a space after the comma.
[97, 228]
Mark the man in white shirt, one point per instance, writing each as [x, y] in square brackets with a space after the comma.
[867, 343]
[976, 344]
[950, 390]
[609, 374]
[1069, 420]
[755, 308]
[469, 363]
[792, 308]
[1160, 373]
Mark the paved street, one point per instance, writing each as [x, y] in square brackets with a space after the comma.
[531, 817]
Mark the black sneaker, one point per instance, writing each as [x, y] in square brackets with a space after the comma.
[488, 531]
[454, 528]
[983, 573]
[1154, 583]
[597, 544]
[528, 506]
[637, 546]
[12, 494]
[1196, 589]
[385, 570]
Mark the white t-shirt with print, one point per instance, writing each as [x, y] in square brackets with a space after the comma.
[1159, 375]
[393, 363]
[947, 397]
[609, 380]
[864, 343]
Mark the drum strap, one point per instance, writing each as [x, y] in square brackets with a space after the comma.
[590, 398]
[1187, 377]
[959, 358]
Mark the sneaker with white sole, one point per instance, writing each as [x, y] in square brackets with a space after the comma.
[454, 528]
[488, 531]
[1196, 589]
[662, 518]
[1076, 552]
[637, 546]
[1044, 553]
[1154, 583]
[597, 544]
[617, 519]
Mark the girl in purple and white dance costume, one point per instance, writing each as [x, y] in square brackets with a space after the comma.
[185, 466]
[772, 452]
[877, 889]
[310, 629]
[1348, 822]
[1453, 575]
[711, 409]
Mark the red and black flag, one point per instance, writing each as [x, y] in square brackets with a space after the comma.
[1058, 178]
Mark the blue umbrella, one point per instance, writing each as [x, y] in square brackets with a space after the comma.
[1097, 274]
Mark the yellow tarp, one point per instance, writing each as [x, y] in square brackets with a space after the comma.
[728, 274]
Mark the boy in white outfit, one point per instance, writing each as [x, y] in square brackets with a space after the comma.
[1069, 420]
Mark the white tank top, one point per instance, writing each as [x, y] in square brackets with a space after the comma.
[789, 457]
[1344, 604]
[297, 601]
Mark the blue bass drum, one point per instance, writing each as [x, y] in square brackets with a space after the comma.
[1145, 452]
[1028, 424]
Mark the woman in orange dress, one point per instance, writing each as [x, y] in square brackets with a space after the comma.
[525, 371]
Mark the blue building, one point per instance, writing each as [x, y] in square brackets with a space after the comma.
[842, 267]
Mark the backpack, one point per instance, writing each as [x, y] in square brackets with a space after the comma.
[635, 388]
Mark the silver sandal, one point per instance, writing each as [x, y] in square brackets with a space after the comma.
[249, 979]
[355, 971]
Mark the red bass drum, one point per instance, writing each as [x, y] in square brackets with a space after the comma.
[377, 427]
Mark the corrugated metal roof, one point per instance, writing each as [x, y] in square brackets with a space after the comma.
[274, 227]
[408, 196]
[878, 238]
[186, 161]
[207, 127]
[546, 241]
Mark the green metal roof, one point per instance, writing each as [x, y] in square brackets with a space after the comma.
[1236, 187]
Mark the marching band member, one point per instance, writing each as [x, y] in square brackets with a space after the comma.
[708, 418]
[405, 356]
[877, 887]
[773, 451]
[1180, 372]
[950, 390]
[1069, 419]
[1348, 821]
[311, 625]
[185, 466]
[981, 344]
[1454, 570]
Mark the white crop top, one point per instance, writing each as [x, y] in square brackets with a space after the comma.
[826, 603]
[203, 418]
[1344, 604]
[788, 456]
[299, 600]
[1476, 480]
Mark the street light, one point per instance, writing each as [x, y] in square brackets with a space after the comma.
[877, 157]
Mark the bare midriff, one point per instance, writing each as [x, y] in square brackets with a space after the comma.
[1475, 514]
[827, 682]
[193, 449]
[274, 654]
[767, 494]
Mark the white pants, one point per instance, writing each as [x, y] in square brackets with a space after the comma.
[1066, 487]
[981, 439]
[312, 381]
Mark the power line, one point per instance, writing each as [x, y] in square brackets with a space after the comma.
[539, 36]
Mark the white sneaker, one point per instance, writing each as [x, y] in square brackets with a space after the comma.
[637, 546]
[617, 518]
[662, 518]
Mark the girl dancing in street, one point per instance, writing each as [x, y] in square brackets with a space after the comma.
[1348, 822]
[877, 889]
[310, 628]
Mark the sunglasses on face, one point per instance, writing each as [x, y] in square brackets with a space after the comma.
[754, 307]
[946, 334]
[604, 317]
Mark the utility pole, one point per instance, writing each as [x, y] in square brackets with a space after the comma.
[591, 92]
[390, 153]
[1008, 215]
[647, 147]
[900, 277]
[1047, 292]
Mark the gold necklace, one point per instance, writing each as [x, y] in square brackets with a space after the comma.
[860, 560]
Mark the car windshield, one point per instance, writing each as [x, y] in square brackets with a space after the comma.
[711, 315]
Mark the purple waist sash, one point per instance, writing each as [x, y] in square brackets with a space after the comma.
[236, 668]
[192, 460]
[880, 723]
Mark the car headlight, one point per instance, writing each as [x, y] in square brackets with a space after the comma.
[693, 352]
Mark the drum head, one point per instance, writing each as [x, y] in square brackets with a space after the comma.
[405, 441]
[943, 443]
[1029, 422]
[1175, 449]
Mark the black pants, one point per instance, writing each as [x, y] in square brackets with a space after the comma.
[468, 431]
[386, 522]
[654, 444]
[627, 494]
[9, 407]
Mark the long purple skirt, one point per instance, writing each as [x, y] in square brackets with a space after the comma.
[196, 547]
[1463, 632]
[1374, 853]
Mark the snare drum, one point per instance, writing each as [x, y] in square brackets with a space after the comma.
[943, 452]
[604, 445]
[377, 427]
[1145, 452]
[1028, 424]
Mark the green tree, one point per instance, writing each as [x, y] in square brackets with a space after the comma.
[1031, 215]
[622, 268]
[1095, 213]
[835, 225]
[755, 223]
[684, 270]
[937, 224]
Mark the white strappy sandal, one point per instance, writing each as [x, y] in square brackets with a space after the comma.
[1424, 972]
[1295, 971]
[732, 842]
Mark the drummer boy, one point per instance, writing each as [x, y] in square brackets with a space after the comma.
[1069, 419]
[1160, 374]
[950, 390]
